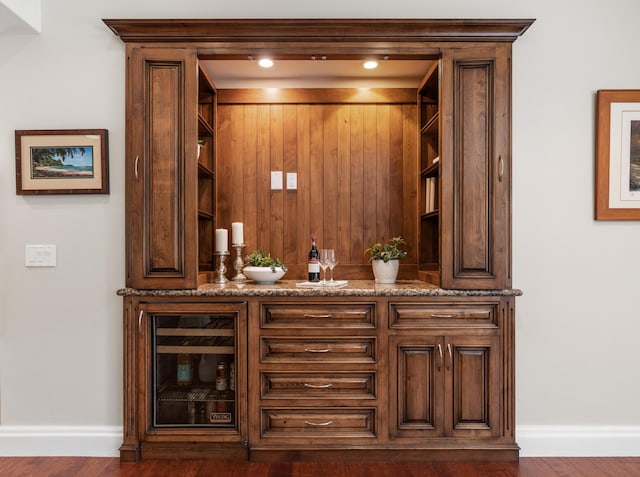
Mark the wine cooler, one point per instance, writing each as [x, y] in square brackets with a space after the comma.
[194, 369]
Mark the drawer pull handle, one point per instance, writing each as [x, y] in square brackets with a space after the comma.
[136, 166]
[318, 386]
[318, 424]
[500, 168]
[310, 350]
[442, 315]
[450, 355]
[311, 315]
[140, 319]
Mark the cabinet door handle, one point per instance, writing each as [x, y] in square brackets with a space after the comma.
[500, 168]
[450, 355]
[310, 315]
[135, 167]
[318, 386]
[323, 350]
[318, 424]
[439, 357]
[140, 319]
[442, 315]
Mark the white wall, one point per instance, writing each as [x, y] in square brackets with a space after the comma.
[577, 325]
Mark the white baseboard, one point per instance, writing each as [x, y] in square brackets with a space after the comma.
[85, 441]
[578, 441]
[534, 441]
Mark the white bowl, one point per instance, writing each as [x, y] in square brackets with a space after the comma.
[263, 275]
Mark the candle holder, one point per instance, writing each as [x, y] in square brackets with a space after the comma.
[222, 268]
[238, 263]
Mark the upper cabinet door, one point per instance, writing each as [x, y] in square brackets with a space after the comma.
[475, 167]
[162, 168]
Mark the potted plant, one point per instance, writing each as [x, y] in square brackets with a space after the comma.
[263, 269]
[385, 259]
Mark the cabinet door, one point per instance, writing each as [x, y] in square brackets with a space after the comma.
[193, 372]
[444, 386]
[416, 386]
[475, 168]
[472, 393]
[161, 173]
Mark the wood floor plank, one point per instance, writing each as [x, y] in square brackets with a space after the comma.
[111, 467]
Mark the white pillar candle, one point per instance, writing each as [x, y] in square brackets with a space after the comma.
[222, 240]
[237, 233]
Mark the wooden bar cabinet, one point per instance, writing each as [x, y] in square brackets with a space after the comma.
[421, 370]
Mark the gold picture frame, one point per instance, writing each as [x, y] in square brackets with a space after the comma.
[617, 171]
[62, 161]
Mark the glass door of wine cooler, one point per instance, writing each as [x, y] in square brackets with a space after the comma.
[194, 382]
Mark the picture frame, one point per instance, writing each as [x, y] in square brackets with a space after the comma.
[62, 161]
[617, 168]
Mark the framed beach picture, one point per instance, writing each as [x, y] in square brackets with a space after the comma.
[617, 174]
[62, 161]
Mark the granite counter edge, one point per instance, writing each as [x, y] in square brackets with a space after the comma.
[266, 291]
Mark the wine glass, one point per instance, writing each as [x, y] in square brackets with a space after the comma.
[324, 263]
[332, 260]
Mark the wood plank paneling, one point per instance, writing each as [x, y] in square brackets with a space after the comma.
[289, 164]
[275, 220]
[329, 168]
[262, 159]
[250, 189]
[369, 135]
[353, 182]
[409, 183]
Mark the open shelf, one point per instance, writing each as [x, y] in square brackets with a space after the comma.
[429, 178]
[207, 101]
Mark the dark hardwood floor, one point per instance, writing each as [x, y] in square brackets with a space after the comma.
[527, 467]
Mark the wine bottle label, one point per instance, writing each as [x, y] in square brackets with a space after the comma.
[184, 373]
[314, 267]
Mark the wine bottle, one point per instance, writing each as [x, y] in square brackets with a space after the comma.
[185, 370]
[314, 262]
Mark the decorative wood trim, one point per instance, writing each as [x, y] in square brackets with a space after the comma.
[318, 30]
[317, 96]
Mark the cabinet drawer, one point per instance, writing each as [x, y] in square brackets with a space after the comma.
[318, 423]
[338, 350]
[440, 315]
[318, 385]
[318, 316]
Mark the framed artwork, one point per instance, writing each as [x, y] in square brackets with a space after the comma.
[617, 174]
[62, 161]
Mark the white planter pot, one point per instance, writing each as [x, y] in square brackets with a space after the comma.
[385, 272]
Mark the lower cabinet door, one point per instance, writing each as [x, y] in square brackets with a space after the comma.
[473, 386]
[416, 387]
[444, 386]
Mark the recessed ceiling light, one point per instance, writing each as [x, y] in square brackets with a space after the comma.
[370, 64]
[266, 62]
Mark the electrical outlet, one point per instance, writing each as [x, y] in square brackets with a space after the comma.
[292, 181]
[40, 255]
[276, 180]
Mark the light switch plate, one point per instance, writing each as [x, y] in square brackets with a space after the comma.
[40, 255]
[292, 181]
[276, 180]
